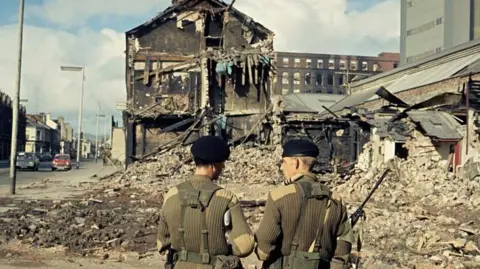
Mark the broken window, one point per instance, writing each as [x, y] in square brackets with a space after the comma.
[331, 64]
[340, 80]
[401, 151]
[320, 64]
[309, 63]
[319, 80]
[364, 66]
[297, 62]
[330, 79]
[376, 67]
[343, 64]
[296, 78]
[285, 91]
[285, 78]
[395, 65]
[308, 79]
[353, 65]
[285, 62]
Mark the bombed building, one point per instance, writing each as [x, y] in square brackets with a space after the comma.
[199, 67]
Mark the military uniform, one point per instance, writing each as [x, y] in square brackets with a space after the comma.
[304, 224]
[192, 220]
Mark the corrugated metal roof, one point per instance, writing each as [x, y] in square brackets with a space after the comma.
[428, 76]
[437, 124]
[353, 100]
[309, 102]
[383, 130]
[424, 77]
[468, 48]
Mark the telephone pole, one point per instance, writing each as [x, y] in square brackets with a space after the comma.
[105, 133]
[96, 133]
[16, 101]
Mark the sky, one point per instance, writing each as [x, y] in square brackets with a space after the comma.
[91, 33]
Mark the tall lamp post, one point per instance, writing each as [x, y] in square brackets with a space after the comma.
[80, 113]
[16, 101]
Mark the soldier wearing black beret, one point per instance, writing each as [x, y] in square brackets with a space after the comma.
[192, 223]
[304, 225]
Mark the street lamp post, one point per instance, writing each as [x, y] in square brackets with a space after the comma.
[80, 113]
[16, 101]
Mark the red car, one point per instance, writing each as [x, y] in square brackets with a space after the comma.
[61, 162]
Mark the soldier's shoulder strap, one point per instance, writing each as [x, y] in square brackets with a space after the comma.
[314, 190]
[200, 197]
[311, 190]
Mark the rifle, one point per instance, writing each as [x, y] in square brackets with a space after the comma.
[170, 261]
[359, 212]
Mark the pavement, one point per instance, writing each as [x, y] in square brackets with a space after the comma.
[47, 184]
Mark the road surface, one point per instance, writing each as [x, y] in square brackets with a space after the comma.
[44, 171]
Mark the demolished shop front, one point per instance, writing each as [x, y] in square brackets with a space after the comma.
[340, 140]
[425, 136]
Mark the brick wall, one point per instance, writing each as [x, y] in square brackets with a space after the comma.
[423, 93]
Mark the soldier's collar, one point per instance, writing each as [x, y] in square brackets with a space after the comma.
[297, 177]
[201, 177]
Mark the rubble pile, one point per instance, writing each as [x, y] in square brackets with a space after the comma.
[421, 212]
[84, 226]
[246, 165]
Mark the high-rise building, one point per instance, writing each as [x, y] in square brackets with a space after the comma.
[430, 26]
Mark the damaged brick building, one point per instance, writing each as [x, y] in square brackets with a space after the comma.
[199, 67]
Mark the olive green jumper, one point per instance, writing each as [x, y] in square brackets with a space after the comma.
[282, 211]
[240, 235]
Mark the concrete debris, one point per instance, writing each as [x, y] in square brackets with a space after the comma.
[417, 213]
[84, 228]
[422, 215]
[176, 165]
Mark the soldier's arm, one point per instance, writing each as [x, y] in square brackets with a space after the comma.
[241, 235]
[268, 231]
[163, 235]
[345, 240]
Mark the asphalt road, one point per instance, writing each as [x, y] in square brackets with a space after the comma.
[44, 171]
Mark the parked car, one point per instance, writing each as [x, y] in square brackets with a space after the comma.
[46, 157]
[61, 162]
[27, 160]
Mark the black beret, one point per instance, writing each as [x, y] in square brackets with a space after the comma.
[210, 149]
[300, 148]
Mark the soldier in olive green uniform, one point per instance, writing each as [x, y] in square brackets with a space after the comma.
[198, 216]
[304, 225]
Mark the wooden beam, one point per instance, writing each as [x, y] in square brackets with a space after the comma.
[163, 58]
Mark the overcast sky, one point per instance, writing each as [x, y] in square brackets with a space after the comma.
[91, 32]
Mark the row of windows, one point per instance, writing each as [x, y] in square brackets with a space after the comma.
[425, 27]
[318, 80]
[342, 64]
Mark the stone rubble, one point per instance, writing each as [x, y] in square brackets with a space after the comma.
[420, 217]
[420, 214]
